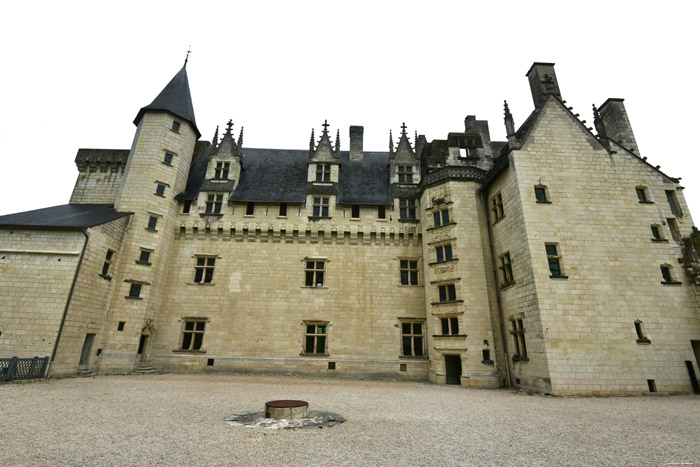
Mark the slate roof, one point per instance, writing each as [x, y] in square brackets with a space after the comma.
[364, 183]
[198, 171]
[102, 156]
[65, 216]
[272, 176]
[174, 98]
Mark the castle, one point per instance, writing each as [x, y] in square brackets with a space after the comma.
[560, 260]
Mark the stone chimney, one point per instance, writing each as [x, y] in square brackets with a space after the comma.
[617, 124]
[543, 81]
[356, 133]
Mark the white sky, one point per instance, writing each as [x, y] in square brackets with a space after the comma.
[74, 74]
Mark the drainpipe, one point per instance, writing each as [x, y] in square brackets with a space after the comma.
[494, 268]
[65, 311]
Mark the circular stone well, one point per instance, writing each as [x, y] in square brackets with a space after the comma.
[286, 409]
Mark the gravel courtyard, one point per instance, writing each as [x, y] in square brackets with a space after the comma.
[179, 420]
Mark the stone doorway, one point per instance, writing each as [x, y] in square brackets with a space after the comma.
[453, 369]
[87, 350]
[143, 342]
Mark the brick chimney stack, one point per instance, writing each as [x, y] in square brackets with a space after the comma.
[543, 81]
[356, 136]
[617, 124]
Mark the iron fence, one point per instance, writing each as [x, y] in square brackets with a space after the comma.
[22, 368]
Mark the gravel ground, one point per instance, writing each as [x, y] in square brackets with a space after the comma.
[179, 420]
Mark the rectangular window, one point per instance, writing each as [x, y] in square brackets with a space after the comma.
[120, 326]
[160, 189]
[314, 273]
[656, 232]
[381, 212]
[213, 205]
[355, 211]
[144, 257]
[553, 259]
[443, 253]
[497, 207]
[176, 127]
[541, 194]
[108, 262]
[186, 206]
[193, 334]
[506, 270]
[642, 194]
[283, 210]
[441, 217]
[518, 333]
[666, 273]
[405, 174]
[135, 290]
[447, 293]
[673, 203]
[323, 172]
[641, 338]
[450, 326]
[407, 209]
[321, 207]
[409, 272]
[250, 209]
[673, 227]
[315, 339]
[412, 339]
[168, 159]
[204, 269]
[152, 222]
[222, 169]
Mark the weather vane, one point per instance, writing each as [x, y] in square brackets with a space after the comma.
[187, 57]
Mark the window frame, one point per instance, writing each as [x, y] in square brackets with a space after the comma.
[451, 323]
[506, 267]
[321, 206]
[497, 207]
[152, 223]
[147, 252]
[447, 293]
[222, 168]
[441, 217]
[405, 174]
[518, 333]
[544, 199]
[106, 266]
[641, 336]
[213, 203]
[323, 173]
[250, 208]
[673, 203]
[409, 271]
[135, 289]
[554, 258]
[191, 341]
[443, 253]
[407, 209]
[312, 272]
[175, 126]
[643, 195]
[412, 337]
[204, 266]
[315, 335]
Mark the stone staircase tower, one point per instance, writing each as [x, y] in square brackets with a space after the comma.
[156, 171]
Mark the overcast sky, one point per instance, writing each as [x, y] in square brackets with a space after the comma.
[75, 74]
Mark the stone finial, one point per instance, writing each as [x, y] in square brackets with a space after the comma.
[229, 126]
[215, 139]
[187, 57]
[391, 142]
[325, 127]
[312, 142]
[508, 119]
[598, 122]
[403, 129]
[240, 138]
[337, 142]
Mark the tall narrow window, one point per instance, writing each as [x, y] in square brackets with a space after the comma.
[250, 209]
[160, 189]
[441, 217]
[214, 202]
[314, 273]
[168, 159]
[108, 263]
[222, 169]
[283, 210]
[323, 172]
[186, 206]
[145, 257]
[518, 333]
[176, 127]
[541, 194]
[641, 338]
[204, 270]
[506, 270]
[443, 253]
[656, 233]
[673, 227]
[152, 222]
[450, 326]
[673, 203]
[321, 207]
[412, 339]
[642, 194]
[315, 339]
[405, 174]
[554, 259]
[135, 290]
[193, 334]
[355, 211]
[667, 274]
[407, 209]
[497, 207]
[381, 212]
[447, 293]
[409, 272]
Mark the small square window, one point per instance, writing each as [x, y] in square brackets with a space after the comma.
[323, 172]
[450, 326]
[176, 127]
[443, 253]
[250, 209]
[541, 194]
[204, 269]
[145, 257]
[222, 170]
[447, 293]
[152, 222]
[409, 272]
[315, 271]
[135, 290]
[168, 159]
[642, 195]
[160, 189]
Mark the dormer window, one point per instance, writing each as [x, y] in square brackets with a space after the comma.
[405, 174]
[221, 171]
[467, 147]
[323, 172]
[213, 205]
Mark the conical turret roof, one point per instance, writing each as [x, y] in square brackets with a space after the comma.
[174, 98]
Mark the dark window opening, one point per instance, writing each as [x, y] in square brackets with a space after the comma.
[407, 209]
[673, 203]
[314, 273]
[553, 258]
[497, 208]
[506, 270]
[145, 256]
[315, 342]
[655, 232]
[403, 367]
[450, 326]
[642, 195]
[412, 339]
[193, 335]
[168, 158]
[443, 253]
[486, 355]
[409, 272]
[160, 189]
[176, 127]
[652, 385]
[221, 170]
[250, 209]
[441, 217]
[135, 290]
[204, 270]
[666, 274]
[213, 205]
[108, 262]
[381, 212]
[331, 365]
[355, 211]
[541, 194]
[518, 333]
[152, 222]
[447, 293]
[323, 172]
[320, 207]
[120, 326]
[210, 362]
[405, 174]
[186, 207]
[283, 210]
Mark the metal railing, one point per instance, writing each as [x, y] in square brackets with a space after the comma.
[22, 368]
